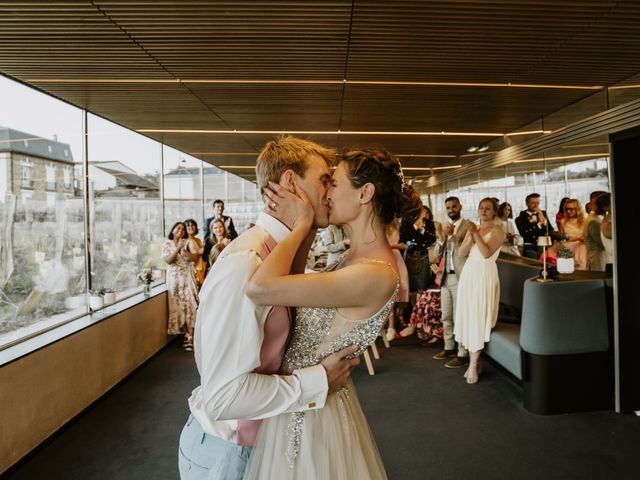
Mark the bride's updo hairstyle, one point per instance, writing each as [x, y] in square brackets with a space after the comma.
[392, 198]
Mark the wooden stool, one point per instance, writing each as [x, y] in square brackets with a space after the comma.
[367, 361]
[383, 334]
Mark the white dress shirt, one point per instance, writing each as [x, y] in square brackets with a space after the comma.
[228, 337]
[449, 267]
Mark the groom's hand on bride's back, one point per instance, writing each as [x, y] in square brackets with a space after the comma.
[338, 367]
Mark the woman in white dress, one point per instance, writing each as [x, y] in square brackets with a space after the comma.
[342, 306]
[478, 286]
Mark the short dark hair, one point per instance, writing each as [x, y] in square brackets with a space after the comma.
[217, 201]
[596, 194]
[603, 203]
[530, 196]
[191, 221]
[452, 199]
[170, 236]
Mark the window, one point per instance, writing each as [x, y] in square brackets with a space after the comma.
[126, 209]
[51, 177]
[67, 177]
[42, 269]
[182, 189]
[26, 177]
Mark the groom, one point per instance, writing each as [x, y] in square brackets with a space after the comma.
[239, 345]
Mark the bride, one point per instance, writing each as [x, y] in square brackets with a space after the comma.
[342, 306]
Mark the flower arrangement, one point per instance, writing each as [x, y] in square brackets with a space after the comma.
[146, 276]
[565, 252]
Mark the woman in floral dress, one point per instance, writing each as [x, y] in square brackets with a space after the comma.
[182, 287]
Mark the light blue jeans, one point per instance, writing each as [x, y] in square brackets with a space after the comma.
[204, 457]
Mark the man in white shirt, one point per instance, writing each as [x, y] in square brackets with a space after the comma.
[239, 345]
[449, 239]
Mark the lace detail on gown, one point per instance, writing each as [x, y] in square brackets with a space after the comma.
[317, 335]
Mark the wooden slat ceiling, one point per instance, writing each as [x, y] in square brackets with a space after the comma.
[112, 57]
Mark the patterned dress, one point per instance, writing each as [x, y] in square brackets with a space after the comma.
[334, 442]
[182, 289]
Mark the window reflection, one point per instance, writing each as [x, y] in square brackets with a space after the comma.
[42, 247]
[125, 221]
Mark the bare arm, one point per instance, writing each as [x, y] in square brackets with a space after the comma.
[607, 226]
[172, 257]
[193, 249]
[465, 246]
[300, 259]
[361, 285]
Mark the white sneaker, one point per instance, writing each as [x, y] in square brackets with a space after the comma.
[391, 334]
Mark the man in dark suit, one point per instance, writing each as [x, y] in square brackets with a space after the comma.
[218, 210]
[533, 223]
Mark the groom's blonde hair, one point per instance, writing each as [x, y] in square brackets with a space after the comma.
[287, 153]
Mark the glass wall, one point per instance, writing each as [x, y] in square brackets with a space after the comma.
[553, 180]
[125, 221]
[182, 188]
[42, 241]
[136, 188]
[241, 199]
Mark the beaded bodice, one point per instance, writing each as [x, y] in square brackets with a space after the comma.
[319, 332]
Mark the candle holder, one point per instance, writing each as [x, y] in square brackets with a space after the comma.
[544, 242]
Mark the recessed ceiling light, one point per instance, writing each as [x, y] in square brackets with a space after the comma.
[483, 148]
[472, 149]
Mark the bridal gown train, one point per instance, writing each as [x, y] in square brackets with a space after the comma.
[332, 443]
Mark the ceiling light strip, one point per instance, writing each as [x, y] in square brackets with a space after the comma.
[321, 132]
[321, 82]
[418, 155]
[424, 169]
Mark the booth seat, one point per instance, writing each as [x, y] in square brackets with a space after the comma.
[561, 349]
[504, 346]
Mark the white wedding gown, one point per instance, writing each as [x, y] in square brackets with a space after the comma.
[332, 443]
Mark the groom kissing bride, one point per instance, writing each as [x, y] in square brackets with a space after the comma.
[275, 403]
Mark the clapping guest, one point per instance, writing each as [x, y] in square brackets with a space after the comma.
[509, 228]
[572, 228]
[195, 249]
[533, 223]
[181, 284]
[591, 233]
[393, 236]
[218, 211]
[218, 239]
[603, 204]
[479, 288]
[560, 214]
[417, 233]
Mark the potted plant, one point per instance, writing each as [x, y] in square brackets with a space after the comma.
[96, 301]
[146, 277]
[565, 263]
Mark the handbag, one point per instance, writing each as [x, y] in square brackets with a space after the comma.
[413, 261]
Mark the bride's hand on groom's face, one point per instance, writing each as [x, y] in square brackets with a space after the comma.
[291, 208]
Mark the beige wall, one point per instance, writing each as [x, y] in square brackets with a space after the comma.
[39, 393]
